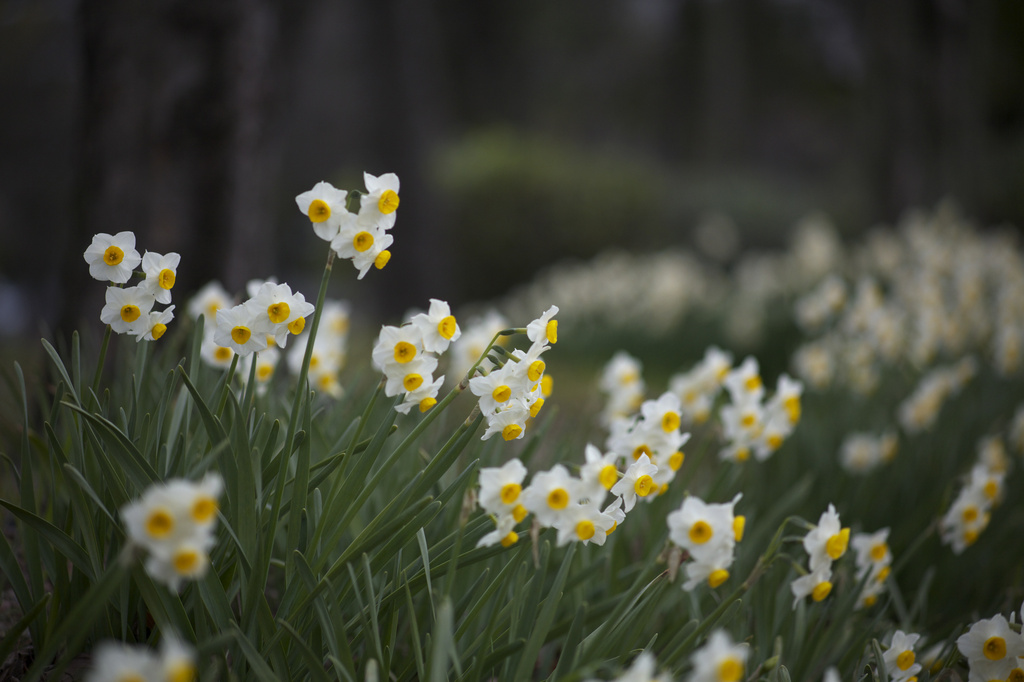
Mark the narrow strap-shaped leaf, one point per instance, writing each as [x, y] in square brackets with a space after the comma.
[214, 431]
[141, 472]
[256, 661]
[570, 649]
[10, 638]
[442, 647]
[314, 665]
[61, 541]
[542, 624]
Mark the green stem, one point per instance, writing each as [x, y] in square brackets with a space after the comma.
[102, 361]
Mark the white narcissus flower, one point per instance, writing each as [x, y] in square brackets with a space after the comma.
[583, 523]
[207, 301]
[637, 481]
[711, 567]
[701, 528]
[744, 382]
[550, 494]
[497, 389]
[438, 326]
[377, 207]
[899, 657]
[500, 487]
[161, 272]
[817, 584]
[599, 473]
[154, 324]
[719, 660]
[396, 347]
[991, 648]
[411, 376]
[241, 330]
[545, 328]
[112, 258]
[641, 670]
[325, 207]
[283, 310]
[503, 533]
[116, 661]
[424, 397]
[177, 660]
[510, 422]
[127, 309]
[827, 541]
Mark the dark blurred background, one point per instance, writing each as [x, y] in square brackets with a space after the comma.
[523, 133]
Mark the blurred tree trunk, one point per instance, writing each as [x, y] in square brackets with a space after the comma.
[177, 95]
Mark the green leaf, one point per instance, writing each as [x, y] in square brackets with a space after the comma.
[544, 619]
[60, 540]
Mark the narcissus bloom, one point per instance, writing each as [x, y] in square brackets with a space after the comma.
[817, 584]
[991, 648]
[241, 330]
[500, 487]
[112, 258]
[719, 660]
[438, 327]
[154, 324]
[899, 657]
[161, 273]
[544, 329]
[377, 207]
[550, 494]
[208, 300]
[637, 481]
[127, 309]
[827, 541]
[325, 207]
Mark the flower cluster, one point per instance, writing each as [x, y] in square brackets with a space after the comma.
[969, 514]
[654, 433]
[174, 522]
[408, 355]
[117, 662]
[511, 389]
[699, 387]
[993, 649]
[709, 533]
[861, 453]
[873, 559]
[824, 543]
[129, 310]
[752, 424]
[360, 237]
[920, 409]
[900, 658]
[329, 349]
[572, 506]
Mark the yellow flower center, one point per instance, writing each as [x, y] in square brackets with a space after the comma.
[240, 334]
[113, 255]
[501, 393]
[297, 325]
[792, 407]
[640, 451]
[717, 577]
[519, 512]
[878, 551]
[186, 561]
[774, 441]
[511, 432]
[558, 498]
[535, 408]
[836, 545]
[446, 327]
[264, 371]
[204, 509]
[1016, 675]
[821, 591]
[994, 648]
[547, 384]
[510, 492]
[753, 383]
[612, 529]
[748, 420]
[412, 381]
[131, 677]
[644, 485]
[159, 523]
[166, 279]
[883, 574]
[700, 532]
[675, 460]
[608, 476]
[278, 312]
[730, 670]
[536, 370]
[585, 530]
[130, 313]
[739, 524]
[182, 671]
[404, 352]
[427, 403]
[510, 539]
[743, 454]
[158, 330]
[319, 211]
[870, 600]
[382, 259]
[388, 201]
[905, 660]
[670, 422]
[223, 354]
[970, 537]
[362, 241]
[970, 514]
[991, 489]
[551, 331]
